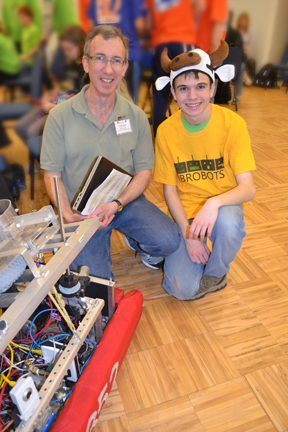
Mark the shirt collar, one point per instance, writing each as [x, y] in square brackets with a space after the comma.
[120, 109]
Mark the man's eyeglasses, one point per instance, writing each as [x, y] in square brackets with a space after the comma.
[101, 60]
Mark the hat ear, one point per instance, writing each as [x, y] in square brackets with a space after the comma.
[226, 73]
[161, 82]
[220, 54]
[165, 61]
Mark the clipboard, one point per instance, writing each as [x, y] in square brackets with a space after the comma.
[99, 171]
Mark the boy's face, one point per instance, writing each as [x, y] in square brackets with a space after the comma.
[24, 19]
[193, 96]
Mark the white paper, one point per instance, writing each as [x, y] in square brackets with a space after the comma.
[108, 191]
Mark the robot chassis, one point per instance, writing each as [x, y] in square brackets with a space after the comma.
[22, 238]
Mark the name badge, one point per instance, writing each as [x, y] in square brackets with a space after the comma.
[122, 126]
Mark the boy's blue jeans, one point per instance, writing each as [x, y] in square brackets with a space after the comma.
[182, 276]
[143, 223]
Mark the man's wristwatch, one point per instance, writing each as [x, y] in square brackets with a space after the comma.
[120, 205]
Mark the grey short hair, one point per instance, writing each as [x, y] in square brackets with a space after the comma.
[107, 32]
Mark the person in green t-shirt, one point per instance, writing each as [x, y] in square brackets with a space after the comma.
[10, 64]
[64, 14]
[10, 19]
[31, 35]
[13, 65]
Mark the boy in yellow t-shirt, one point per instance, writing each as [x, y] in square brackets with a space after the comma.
[204, 160]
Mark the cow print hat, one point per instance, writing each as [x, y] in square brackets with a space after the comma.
[196, 60]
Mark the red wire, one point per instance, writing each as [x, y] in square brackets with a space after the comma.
[73, 320]
[22, 340]
[8, 425]
[50, 302]
[2, 392]
[54, 331]
[5, 361]
[28, 339]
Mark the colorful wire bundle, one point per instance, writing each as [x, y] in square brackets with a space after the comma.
[29, 347]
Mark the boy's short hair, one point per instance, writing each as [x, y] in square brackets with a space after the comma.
[187, 73]
[25, 10]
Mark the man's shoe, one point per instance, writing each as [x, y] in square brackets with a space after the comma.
[209, 284]
[155, 263]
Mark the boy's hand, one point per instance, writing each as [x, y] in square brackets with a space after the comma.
[204, 221]
[197, 251]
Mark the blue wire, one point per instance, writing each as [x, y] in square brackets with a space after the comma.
[45, 310]
[89, 340]
[62, 336]
[63, 397]
[29, 353]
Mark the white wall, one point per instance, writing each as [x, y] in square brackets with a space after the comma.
[280, 34]
[269, 27]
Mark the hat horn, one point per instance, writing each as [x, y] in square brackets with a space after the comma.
[165, 61]
[220, 54]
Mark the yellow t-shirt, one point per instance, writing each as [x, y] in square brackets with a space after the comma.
[202, 164]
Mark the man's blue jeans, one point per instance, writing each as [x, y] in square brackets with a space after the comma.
[144, 224]
[182, 276]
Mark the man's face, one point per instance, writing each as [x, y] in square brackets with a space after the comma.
[193, 96]
[103, 77]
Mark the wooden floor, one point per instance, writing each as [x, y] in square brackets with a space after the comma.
[221, 363]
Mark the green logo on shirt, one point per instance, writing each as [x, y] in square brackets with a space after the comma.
[213, 166]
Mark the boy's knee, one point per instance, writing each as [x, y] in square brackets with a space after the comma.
[182, 290]
[232, 230]
[230, 223]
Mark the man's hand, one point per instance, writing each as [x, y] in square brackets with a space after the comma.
[197, 251]
[74, 217]
[105, 213]
[205, 220]
[104, 222]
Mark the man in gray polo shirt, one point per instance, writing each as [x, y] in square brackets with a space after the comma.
[84, 127]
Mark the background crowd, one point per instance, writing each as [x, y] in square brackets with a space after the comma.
[44, 55]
